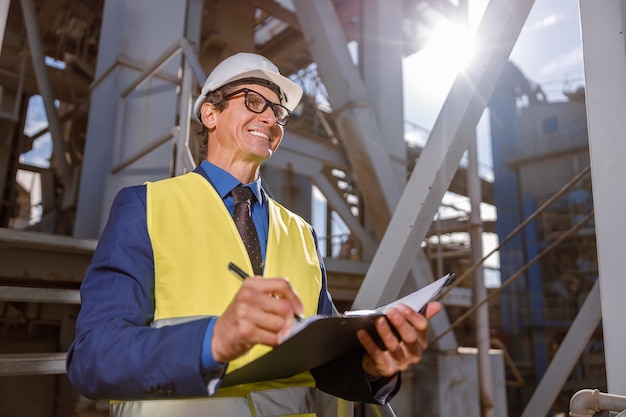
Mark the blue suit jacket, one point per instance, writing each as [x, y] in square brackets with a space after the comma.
[117, 355]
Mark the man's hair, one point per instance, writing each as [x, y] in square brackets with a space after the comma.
[216, 98]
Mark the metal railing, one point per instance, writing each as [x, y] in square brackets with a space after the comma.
[178, 133]
[12, 364]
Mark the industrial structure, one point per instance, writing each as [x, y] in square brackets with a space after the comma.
[116, 80]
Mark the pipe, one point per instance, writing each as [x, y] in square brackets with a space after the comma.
[588, 402]
[518, 379]
[482, 314]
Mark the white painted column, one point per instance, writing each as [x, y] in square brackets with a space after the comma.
[604, 56]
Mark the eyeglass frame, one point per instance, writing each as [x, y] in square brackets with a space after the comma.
[267, 104]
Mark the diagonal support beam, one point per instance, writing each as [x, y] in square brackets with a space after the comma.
[356, 122]
[453, 129]
[61, 158]
[569, 351]
[338, 203]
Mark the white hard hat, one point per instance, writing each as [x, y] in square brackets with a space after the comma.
[248, 65]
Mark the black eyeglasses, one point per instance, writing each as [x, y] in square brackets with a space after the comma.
[256, 103]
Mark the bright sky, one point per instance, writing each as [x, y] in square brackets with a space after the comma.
[548, 52]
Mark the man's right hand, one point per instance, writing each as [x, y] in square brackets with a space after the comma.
[261, 312]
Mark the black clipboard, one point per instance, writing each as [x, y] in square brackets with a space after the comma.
[321, 339]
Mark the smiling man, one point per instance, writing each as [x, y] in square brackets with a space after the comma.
[163, 320]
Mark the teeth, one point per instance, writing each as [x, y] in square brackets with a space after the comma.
[262, 135]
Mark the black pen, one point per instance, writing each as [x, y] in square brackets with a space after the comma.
[237, 270]
[241, 273]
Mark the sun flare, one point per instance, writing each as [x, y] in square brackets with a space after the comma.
[430, 72]
[450, 47]
[449, 50]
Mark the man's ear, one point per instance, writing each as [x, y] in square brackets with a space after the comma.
[207, 115]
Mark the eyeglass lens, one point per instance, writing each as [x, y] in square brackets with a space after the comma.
[256, 103]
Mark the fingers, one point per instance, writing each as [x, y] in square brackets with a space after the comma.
[262, 311]
[431, 309]
[404, 336]
[278, 289]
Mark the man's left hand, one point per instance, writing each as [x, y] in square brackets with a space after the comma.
[401, 350]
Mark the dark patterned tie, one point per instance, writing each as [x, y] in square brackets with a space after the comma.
[245, 225]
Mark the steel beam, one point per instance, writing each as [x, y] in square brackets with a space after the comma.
[380, 61]
[45, 88]
[312, 147]
[4, 14]
[39, 295]
[59, 258]
[604, 59]
[483, 329]
[12, 364]
[338, 203]
[184, 161]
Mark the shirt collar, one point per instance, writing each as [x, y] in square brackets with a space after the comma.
[224, 182]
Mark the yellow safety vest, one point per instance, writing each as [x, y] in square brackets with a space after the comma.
[193, 239]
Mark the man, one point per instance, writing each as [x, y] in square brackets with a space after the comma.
[163, 320]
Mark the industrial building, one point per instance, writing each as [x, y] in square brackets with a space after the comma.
[113, 82]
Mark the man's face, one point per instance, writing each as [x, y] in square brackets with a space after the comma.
[239, 133]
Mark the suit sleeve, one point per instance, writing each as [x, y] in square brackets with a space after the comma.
[116, 354]
[344, 377]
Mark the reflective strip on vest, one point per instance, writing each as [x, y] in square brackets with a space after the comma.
[157, 324]
[298, 401]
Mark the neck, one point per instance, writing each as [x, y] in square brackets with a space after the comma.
[245, 171]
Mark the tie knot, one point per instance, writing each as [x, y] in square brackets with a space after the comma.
[241, 194]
